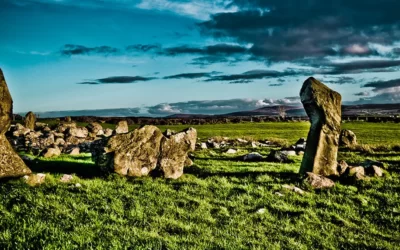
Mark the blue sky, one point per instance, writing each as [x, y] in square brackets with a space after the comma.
[163, 56]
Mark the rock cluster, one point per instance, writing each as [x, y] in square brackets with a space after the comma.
[143, 150]
[66, 138]
[11, 165]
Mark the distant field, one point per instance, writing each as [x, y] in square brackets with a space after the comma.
[367, 133]
[219, 203]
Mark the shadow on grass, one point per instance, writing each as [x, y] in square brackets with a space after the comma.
[84, 170]
[284, 177]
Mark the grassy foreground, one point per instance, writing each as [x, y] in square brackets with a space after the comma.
[220, 203]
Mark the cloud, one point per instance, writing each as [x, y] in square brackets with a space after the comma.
[292, 30]
[191, 75]
[341, 80]
[257, 74]
[359, 66]
[364, 93]
[390, 86]
[275, 84]
[73, 49]
[386, 92]
[199, 9]
[143, 47]
[118, 80]
[217, 106]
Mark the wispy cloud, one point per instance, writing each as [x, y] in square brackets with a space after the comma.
[118, 80]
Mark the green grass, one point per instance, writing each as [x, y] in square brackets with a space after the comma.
[213, 206]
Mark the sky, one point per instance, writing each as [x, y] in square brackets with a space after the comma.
[162, 57]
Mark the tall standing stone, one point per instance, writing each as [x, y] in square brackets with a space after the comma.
[323, 107]
[30, 120]
[11, 165]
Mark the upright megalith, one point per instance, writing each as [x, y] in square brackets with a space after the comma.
[11, 165]
[323, 107]
[30, 120]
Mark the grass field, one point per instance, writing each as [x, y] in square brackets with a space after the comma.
[220, 202]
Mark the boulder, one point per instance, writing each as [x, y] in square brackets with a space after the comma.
[95, 129]
[347, 138]
[318, 181]
[11, 165]
[65, 126]
[78, 132]
[231, 151]
[174, 152]
[122, 127]
[133, 154]
[30, 120]
[323, 107]
[51, 152]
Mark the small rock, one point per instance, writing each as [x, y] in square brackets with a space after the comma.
[254, 156]
[278, 156]
[318, 181]
[261, 211]
[35, 179]
[357, 172]
[279, 194]
[75, 151]
[78, 185]
[293, 188]
[203, 145]
[51, 152]
[231, 151]
[66, 178]
[122, 127]
[342, 167]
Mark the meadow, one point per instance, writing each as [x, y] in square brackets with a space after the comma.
[219, 203]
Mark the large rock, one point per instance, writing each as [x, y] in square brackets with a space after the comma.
[95, 129]
[11, 165]
[78, 132]
[174, 152]
[122, 127]
[30, 120]
[347, 138]
[133, 154]
[323, 106]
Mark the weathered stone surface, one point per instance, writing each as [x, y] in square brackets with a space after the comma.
[75, 151]
[318, 181]
[323, 106]
[108, 132]
[135, 153]
[122, 127]
[11, 165]
[174, 152]
[347, 138]
[30, 120]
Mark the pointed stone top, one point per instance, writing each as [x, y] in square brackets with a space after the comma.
[312, 90]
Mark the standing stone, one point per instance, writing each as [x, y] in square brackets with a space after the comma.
[30, 120]
[347, 138]
[174, 152]
[133, 154]
[122, 127]
[11, 165]
[323, 107]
